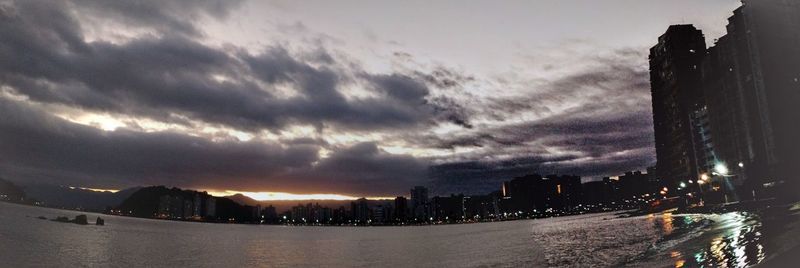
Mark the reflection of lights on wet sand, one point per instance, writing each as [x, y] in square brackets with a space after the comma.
[730, 248]
[718, 250]
[667, 226]
[676, 255]
[699, 257]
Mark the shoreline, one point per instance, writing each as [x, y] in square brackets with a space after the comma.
[616, 213]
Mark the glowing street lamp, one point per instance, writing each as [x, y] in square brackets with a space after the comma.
[721, 169]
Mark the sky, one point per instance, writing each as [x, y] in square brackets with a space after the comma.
[344, 98]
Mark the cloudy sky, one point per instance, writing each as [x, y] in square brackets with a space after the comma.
[329, 97]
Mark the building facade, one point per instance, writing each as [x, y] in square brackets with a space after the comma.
[675, 79]
[742, 103]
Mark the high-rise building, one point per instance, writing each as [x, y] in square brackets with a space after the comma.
[752, 80]
[211, 207]
[675, 78]
[520, 194]
[735, 118]
[270, 214]
[419, 202]
[382, 213]
[400, 209]
[447, 208]
[360, 211]
[197, 206]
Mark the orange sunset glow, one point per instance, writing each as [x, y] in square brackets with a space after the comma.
[280, 196]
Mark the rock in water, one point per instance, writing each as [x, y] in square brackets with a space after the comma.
[81, 219]
[100, 221]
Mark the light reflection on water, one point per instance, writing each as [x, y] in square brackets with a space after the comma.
[735, 243]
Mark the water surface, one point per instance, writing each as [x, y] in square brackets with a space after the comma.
[733, 239]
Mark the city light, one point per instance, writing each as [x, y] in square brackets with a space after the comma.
[721, 169]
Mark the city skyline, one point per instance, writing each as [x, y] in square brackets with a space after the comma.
[219, 96]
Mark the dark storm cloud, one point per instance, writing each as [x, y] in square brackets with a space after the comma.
[39, 146]
[34, 139]
[166, 78]
[171, 75]
[611, 132]
[364, 168]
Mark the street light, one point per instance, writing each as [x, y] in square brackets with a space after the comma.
[721, 169]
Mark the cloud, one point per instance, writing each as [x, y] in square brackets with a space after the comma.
[364, 167]
[597, 123]
[175, 76]
[42, 147]
[166, 16]
[150, 61]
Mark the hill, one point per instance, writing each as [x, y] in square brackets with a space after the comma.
[75, 198]
[11, 192]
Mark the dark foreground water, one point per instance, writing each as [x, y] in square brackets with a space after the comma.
[662, 240]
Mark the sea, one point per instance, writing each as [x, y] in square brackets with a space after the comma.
[734, 239]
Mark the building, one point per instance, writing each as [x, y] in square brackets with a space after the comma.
[419, 202]
[382, 213]
[170, 207]
[675, 78]
[197, 210]
[360, 211]
[520, 194]
[563, 192]
[211, 207]
[752, 79]
[634, 184]
[269, 215]
[735, 118]
[400, 209]
[447, 208]
[534, 194]
[599, 193]
[188, 209]
[481, 206]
